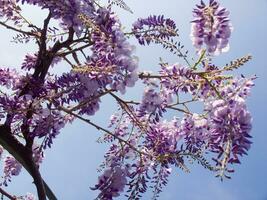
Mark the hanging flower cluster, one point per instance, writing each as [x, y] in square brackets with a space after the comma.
[154, 28]
[211, 27]
[148, 137]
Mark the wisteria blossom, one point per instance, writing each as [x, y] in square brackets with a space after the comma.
[29, 196]
[190, 110]
[111, 183]
[211, 27]
[154, 28]
[11, 168]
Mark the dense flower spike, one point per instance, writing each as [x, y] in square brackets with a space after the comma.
[177, 78]
[66, 10]
[151, 101]
[10, 10]
[47, 123]
[230, 122]
[112, 53]
[111, 183]
[10, 78]
[185, 113]
[154, 28]
[11, 168]
[211, 28]
[195, 129]
[29, 62]
[163, 137]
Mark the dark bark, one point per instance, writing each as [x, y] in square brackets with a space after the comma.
[24, 156]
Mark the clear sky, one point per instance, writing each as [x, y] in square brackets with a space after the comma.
[70, 166]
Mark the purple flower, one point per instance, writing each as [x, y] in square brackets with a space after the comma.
[162, 137]
[11, 168]
[9, 9]
[29, 196]
[38, 154]
[195, 130]
[177, 78]
[211, 28]
[9, 78]
[143, 145]
[112, 62]
[151, 101]
[66, 10]
[111, 183]
[46, 123]
[230, 122]
[84, 88]
[154, 28]
[29, 62]
[154, 103]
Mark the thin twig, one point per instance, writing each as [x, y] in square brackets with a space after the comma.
[100, 128]
[125, 107]
[73, 50]
[19, 30]
[88, 100]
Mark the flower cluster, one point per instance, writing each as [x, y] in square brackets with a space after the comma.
[147, 137]
[222, 129]
[154, 103]
[163, 137]
[111, 183]
[66, 10]
[29, 196]
[46, 123]
[230, 122]
[195, 130]
[10, 78]
[29, 62]
[154, 28]
[151, 101]
[177, 78]
[11, 168]
[77, 88]
[112, 53]
[211, 27]
[9, 10]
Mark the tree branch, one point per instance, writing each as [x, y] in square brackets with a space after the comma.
[74, 50]
[101, 129]
[24, 156]
[9, 196]
[18, 30]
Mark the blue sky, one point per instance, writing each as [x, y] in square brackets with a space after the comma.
[70, 166]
